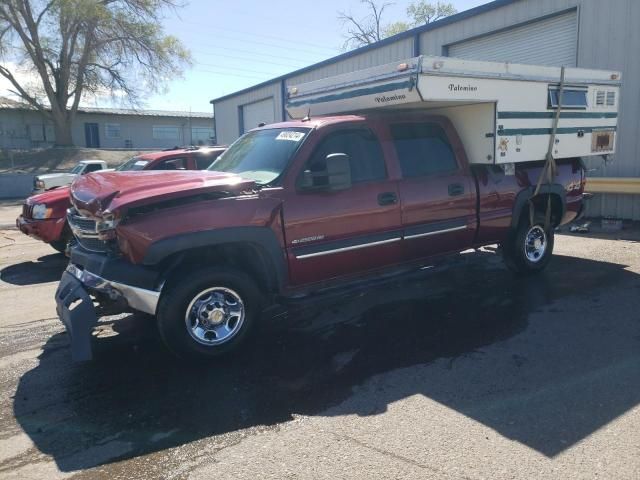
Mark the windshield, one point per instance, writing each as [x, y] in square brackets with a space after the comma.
[261, 155]
[78, 168]
[134, 164]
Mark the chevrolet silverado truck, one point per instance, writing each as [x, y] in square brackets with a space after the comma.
[295, 209]
[44, 216]
[49, 181]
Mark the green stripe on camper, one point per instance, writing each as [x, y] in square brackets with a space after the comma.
[387, 87]
[547, 131]
[553, 114]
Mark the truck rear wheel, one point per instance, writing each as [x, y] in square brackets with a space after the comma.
[208, 312]
[529, 249]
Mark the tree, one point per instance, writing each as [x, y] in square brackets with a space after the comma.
[395, 28]
[370, 28]
[423, 12]
[82, 48]
[366, 30]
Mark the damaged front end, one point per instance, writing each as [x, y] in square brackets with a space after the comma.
[92, 277]
[75, 309]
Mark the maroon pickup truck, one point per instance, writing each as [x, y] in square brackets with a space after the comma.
[293, 209]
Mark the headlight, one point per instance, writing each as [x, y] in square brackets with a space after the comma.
[40, 211]
[39, 184]
[106, 227]
[107, 222]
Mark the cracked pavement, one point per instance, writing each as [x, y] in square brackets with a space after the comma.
[465, 372]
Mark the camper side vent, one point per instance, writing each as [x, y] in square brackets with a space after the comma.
[600, 97]
[611, 99]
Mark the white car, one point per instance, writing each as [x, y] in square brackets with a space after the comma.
[48, 181]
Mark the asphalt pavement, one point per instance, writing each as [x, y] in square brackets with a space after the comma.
[464, 372]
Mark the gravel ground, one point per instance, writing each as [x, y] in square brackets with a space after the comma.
[465, 372]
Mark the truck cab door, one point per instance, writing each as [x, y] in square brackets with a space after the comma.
[340, 233]
[437, 191]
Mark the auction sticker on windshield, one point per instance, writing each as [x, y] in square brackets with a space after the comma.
[291, 136]
[141, 163]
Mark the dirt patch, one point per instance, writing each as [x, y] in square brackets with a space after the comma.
[59, 159]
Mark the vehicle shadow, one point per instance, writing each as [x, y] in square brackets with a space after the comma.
[462, 332]
[47, 268]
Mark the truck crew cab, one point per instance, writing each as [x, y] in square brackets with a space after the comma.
[296, 207]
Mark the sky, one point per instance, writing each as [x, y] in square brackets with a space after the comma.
[239, 43]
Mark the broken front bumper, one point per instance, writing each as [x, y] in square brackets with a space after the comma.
[75, 309]
[75, 305]
[49, 230]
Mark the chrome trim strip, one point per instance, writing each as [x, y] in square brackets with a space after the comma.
[137, 298]
[435, 232]
[346, 249]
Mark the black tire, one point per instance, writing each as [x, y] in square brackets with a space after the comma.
[59, 245]
[514, 250]
[184, 288]
[65, 238]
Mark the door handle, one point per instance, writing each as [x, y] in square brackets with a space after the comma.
[387, 198]
[456, 189]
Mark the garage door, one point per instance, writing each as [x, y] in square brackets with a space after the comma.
[258, 112]
[552, 41]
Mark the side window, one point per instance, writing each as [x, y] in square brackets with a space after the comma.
[204, 160]
[92, 167]
[423, 149]
[172, 164]
[362, 146]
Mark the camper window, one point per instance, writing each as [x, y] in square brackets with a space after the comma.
[571, 98]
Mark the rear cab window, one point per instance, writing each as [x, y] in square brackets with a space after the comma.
[93, 167]
[203, 160]
[171, 164]
[423, 149]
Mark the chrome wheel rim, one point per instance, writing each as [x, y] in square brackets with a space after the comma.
[215, 316]
[535, 244]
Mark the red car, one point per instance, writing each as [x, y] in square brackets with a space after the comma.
[297, 208]
[44, 216]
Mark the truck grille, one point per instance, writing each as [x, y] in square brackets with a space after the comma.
[84, 230]
[93, 244]
[83, 223]
[27, 211]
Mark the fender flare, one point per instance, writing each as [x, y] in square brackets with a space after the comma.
[261, 237]
[525, 195]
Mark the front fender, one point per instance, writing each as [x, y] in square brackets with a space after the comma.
[262, 237]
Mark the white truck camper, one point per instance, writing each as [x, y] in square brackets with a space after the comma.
[505, 113]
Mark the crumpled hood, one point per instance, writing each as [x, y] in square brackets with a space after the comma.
[117, 191]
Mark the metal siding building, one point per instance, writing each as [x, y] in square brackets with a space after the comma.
[23, 127]
[582, 33]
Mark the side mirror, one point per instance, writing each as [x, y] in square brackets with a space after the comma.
[338, 171]
[336, 174]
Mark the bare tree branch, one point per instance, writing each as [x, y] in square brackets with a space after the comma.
[371, 28]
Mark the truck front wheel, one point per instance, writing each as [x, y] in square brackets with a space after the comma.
[61, 244]
[208, 312]
[528, 250]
